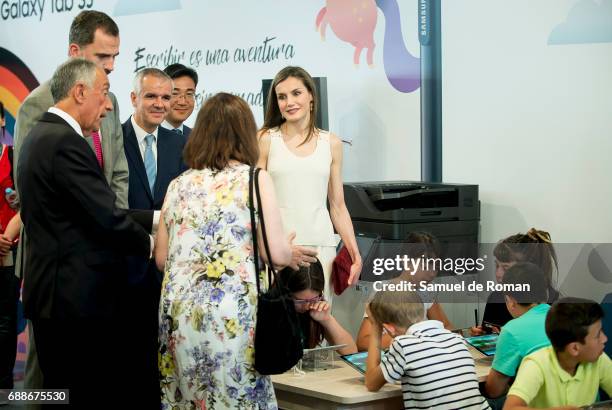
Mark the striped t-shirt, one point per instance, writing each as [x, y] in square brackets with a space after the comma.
[435, 367]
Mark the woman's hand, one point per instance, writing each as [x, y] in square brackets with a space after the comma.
[300, 255]
[355, 271]
[320, 311]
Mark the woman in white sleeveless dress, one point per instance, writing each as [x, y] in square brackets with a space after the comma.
[305, 164]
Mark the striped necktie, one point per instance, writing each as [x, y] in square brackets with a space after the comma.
[95, 136]
[178, 131]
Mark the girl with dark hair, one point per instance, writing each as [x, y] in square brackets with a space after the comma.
[535, 247]
[305, 164]
[306, 286]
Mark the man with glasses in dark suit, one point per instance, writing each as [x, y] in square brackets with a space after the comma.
[185, 81]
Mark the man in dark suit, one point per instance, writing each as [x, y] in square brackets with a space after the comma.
[77, 239]
[184, 83]
[155, 157]
[94, 36]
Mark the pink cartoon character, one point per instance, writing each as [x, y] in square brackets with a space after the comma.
[352, 21]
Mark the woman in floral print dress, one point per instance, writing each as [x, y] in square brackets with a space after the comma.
[205, 247]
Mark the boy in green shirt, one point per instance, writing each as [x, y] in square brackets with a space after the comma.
[569, 373]
[525, 333]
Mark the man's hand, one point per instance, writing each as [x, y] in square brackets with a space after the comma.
[300, 255]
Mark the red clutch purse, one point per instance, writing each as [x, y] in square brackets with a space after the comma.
[341, 270]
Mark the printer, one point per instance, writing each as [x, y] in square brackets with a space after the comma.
[383, 213]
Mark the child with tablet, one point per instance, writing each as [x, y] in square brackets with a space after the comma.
[433, 364]
[534, 246]
[570, 372]
[306, 286]
[420, 244]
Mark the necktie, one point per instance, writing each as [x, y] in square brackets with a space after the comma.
[149, 161]
[178, 131]
[98, 148]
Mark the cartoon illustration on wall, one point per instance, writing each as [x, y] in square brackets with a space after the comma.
[354, 21]
[588, 21]
[16, 82]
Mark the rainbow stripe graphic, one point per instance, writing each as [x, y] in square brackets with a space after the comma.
[16, 82]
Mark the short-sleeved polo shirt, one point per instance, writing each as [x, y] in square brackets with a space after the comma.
[541, 382]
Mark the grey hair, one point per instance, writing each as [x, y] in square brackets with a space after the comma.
[68, 74]
[153, 72]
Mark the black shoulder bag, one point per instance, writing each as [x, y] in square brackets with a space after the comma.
[278, 338]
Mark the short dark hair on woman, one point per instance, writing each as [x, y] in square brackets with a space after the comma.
[568, 321]
[224, 130]
[525, 273]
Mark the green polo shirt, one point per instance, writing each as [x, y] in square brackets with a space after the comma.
[541, 382]
[519, 338]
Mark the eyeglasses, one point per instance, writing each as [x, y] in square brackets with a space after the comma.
[189, 95]
[301, 302]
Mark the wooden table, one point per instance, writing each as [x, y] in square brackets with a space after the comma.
[342, 387]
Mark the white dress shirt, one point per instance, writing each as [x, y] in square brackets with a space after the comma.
[68, 118]
[171, 127]
[140, 137]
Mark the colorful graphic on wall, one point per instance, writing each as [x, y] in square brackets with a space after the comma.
[589, 21]
[131, 7]
[16, 82]
[354, 21]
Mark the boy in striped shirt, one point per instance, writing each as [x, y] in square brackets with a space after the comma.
[433, 364]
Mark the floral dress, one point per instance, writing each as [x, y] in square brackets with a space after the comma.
[209, 296]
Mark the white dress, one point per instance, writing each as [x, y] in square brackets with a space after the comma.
[301, 187]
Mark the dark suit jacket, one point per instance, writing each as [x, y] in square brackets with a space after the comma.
[170, 165]
[76, 235]
[186, 131]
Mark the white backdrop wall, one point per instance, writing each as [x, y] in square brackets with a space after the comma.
[530, 122]
[382, 123]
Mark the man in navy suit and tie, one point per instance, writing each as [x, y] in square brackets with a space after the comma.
[185, 81]
[155, 157]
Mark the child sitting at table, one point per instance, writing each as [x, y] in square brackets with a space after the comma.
[570, 372]
[419, 244]
[525, 333]
[306, 286]
[534, 246]
[433, 364]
